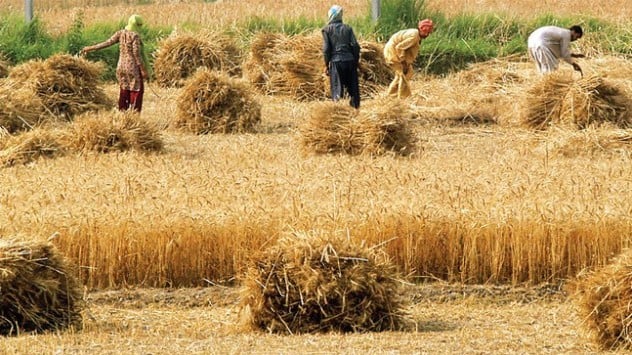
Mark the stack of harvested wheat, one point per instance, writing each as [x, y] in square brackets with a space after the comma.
[101, 132]
[604, 298]
[20, 109]
[311, 283]
[66, 85]
[213, 102]
[179, 57]
[559, 99]
[39, 291]
[109, 131]
[31, 145]
[293, 66]
[377, 129]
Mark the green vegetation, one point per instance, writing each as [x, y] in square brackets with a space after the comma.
[457, 40]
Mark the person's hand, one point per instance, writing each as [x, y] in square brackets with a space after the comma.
[83, 52]
[578, 68]
[326, 70]
[578, 55]
[359, 66]
[144, 73]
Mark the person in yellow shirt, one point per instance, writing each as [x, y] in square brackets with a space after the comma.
[400, 53]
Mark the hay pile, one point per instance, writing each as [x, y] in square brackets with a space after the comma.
[101, 132]
[376, 129]
[179, 57]
[38, 289]
[20, 109]
[559, 99]
[604, 299]
[65, 85]
[213, 102]
[311, 283]
[112, 131]
[293, 66]
[31, 145]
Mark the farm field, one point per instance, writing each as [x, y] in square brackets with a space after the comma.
[450, 319]
[488, 218]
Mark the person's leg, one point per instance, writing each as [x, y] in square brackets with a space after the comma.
[124, 98]
[335, 83]
[398, 69]
[136, 99]
[353, 86]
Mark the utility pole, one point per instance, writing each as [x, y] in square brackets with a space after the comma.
[28, 10]
[375, 10]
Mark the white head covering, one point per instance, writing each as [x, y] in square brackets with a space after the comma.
[335, 13]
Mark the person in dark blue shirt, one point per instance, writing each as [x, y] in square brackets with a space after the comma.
[342, 55]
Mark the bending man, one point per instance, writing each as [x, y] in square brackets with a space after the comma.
[548, 44]
[400, 53]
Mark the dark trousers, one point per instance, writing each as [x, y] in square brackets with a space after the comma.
[131, 99]
[344, 75]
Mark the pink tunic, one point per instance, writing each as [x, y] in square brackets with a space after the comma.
[128, 70]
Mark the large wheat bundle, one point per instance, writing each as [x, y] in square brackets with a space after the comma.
[377, 129]
[213, 102]
[310, 283]
[179, 57]
[293, 66]
[38, 288]
[20, 109]
[28, 146]
[604, 299]
[65, 85]
[559, 99]
[109, 131]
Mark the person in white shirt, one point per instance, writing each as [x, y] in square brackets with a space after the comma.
[548, 44]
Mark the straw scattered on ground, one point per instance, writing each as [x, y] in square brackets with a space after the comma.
[311, 282]
[213, 102]
[39, 290]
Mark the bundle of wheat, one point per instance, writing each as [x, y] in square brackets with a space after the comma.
[377, 129]
[293, 66]
[179, 57]
[109, 131]
[20, 109]
[39, 290]
[310, 283]
[604, 298]
[31, 145]
[213, 102]
[559, 99]
[66, 85]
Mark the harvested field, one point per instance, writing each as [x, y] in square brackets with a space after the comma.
[201, 320]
